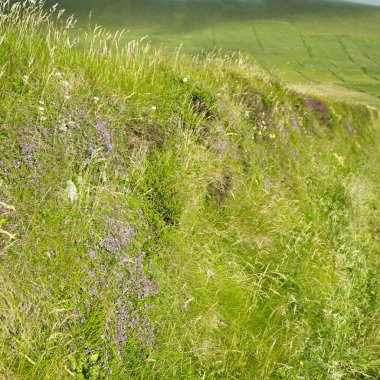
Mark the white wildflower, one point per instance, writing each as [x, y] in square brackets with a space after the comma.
[72, 191]
[41, 109]
[153, 108]
[96, 99]
[185, 80]
[67, 97]
[210, 273]
[41, 102]
[58, 74]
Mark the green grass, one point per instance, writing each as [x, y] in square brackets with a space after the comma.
[167, 217]
[299, 41]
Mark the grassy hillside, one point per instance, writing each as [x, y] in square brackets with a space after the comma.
[331, 46]
[164, 217]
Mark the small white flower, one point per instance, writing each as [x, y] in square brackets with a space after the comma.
[41, 102]
[185, 80]
[67, 97]
[210, 273]
[96, 99]
[58, 74]
[65, 83]
[25, 78]
[153, 108]
[71, 191]
[41, 109]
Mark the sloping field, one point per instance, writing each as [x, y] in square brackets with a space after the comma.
[308, 42]
[167, 217]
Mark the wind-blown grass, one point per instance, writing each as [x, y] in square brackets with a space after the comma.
[315, 43]
[178, 218]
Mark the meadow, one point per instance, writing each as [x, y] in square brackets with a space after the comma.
[165, 216]
[320, 46]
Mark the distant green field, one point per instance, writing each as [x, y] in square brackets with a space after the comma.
[313, 43]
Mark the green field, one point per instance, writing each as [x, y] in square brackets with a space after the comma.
[314, 43]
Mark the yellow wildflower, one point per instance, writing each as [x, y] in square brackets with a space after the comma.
[340, 159]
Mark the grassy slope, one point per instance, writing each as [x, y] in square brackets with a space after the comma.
[230, 231]
[309, 42]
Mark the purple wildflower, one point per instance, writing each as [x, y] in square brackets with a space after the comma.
[92, 254]
[102, 132]
[309, 105]
[296, 127]
[269, 184]
[320, 106]
[119, 238]
[28, 152]
[91, 150]
[221, 146]
[108, 147]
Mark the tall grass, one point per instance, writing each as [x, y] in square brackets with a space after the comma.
[329, 45]
[178, 217]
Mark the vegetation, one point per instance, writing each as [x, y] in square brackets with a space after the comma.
[166, 217]
[329, 47]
